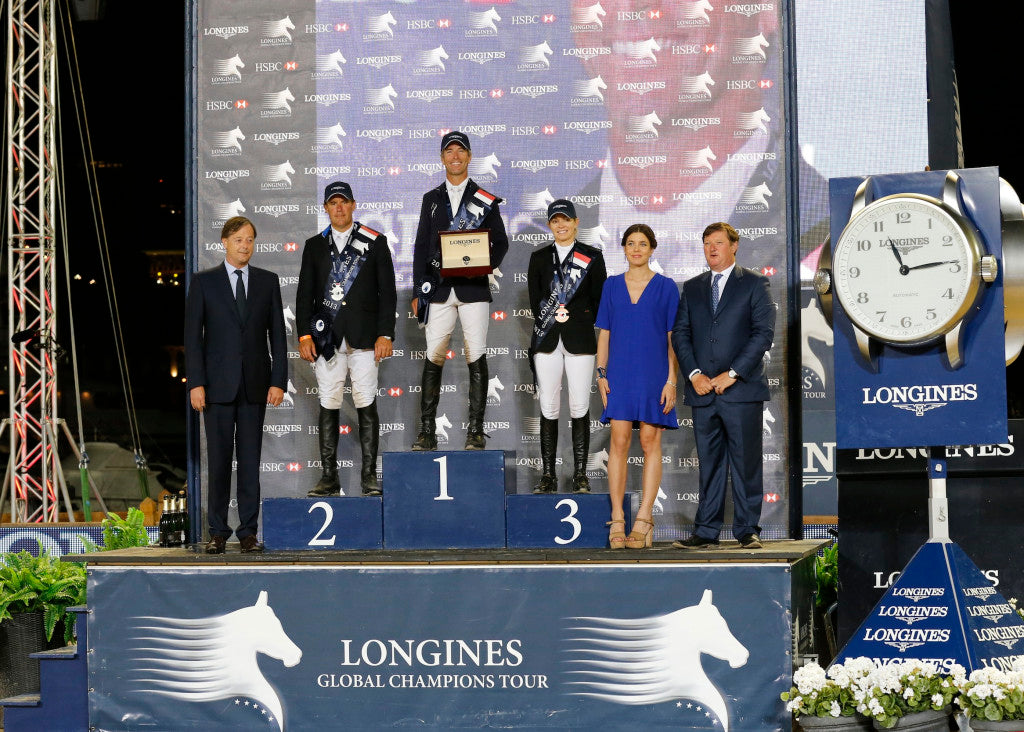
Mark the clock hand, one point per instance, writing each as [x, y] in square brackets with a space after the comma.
[933, 264]
[896, 253]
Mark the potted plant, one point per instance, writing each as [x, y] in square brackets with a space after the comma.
[910, 695]
[828, 699]
[994, 699]
[120, 533]
[35, 593]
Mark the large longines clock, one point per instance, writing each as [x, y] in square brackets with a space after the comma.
[908, 269]
[913, 285]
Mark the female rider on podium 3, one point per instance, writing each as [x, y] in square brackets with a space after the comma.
[564, 281]
[636, 375]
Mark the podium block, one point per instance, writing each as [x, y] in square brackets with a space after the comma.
[338, 522]
[444, 500]
[559, 520]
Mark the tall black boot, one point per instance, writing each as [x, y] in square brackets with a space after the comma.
[369, 437]
[475, 438]
[328, 485]
[430, 386]
[580, 450]
[548, 442]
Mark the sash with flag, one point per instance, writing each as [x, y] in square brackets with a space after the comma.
[345, 267]
[568, 277]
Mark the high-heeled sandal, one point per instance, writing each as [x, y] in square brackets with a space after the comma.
[638, 540]
[617, 539]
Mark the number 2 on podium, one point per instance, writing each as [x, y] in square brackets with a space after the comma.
[442, 479]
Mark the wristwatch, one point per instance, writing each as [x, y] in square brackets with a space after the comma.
[733, 374]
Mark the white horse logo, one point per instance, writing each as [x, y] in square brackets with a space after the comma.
[659, 501]
[531, 425]
[753, 46]
[231, 138]
[753, 120]
[485, 20]
[228, 210]
[590, 88]
[432, 58]
[813, 325]
[381, 24]
[589, 15]
[384, 95]
[485, 166]
[767, 420]
[655, 659]
[208, 659]
[278, 28]
[644, 124]
[279, 100]
[598, 461]
[697, 84]
[643, 49]
[494, 385]
[289, 319]
[278, 173]
[594, 236]
[229, 67]
[699, 158]
[756, 195]
[330, 62]
[697, 10]
[536, 54]
[492, 279]
[441, 425]
[537, 201]
[288, 400]
[330, 135]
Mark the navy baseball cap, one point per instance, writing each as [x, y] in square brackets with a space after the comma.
[459, 138]
[338, 188]
[561, 206]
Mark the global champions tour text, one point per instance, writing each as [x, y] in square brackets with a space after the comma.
[446, 653]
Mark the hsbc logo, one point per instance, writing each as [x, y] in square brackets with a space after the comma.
[221, 105]
[269, 66]
[395, 391]
[771, 497]
[428, 24]
[768, 271]
[294, 467]
[344, 429]
[290, 246]
[498, 315]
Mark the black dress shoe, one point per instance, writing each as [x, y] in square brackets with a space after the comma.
[750, 541]
[216, 545]
[694, 542]
[250, 544]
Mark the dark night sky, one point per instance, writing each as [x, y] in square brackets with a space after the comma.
[134, 69]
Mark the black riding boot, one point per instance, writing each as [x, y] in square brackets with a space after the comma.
[475, 439]
[548, 442]
[580, 449]
[431, 388]
[328, 485]
[369, 437]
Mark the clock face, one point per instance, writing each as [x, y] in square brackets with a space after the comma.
[905, 269]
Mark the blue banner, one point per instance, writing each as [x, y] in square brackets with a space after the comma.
[602, 647]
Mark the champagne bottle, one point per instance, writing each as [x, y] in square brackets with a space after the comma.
[172, 528]
[183, 506]
[165, 523]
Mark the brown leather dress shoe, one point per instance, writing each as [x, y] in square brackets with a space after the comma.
[250, 544]
[216, 545]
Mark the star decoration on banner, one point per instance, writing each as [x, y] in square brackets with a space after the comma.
[256, 707]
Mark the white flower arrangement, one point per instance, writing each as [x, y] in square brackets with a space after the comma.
[817, 693]
[899, 689]
[993, 694]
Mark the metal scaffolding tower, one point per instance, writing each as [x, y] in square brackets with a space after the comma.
[34, 475]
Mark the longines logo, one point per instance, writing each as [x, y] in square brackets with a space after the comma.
[535, 166]
[226, 31]
[386, 427]
[275, 209]
[430, 95]
[981, 593]
[382, 205]
[533, 91]
[481, 57]
[275, 138]
[327, 99]
[756, 232]
[380, 135]
[529, 237]
[918, 593]
[1005, 636]
[920, 399]
[639, 87]
[378, 62]
[749, 9]
[279, 430]
[591, 200]
[906, 638]
[588, 52]
[380, 27]
[695, 123]
[327, 171]
[641, 161]
[587, 126]
[226, 176]
[911, 614]
[425, 168]
[482, 130]
[993, 613]
[751, 158]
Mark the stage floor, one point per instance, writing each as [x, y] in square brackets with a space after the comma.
[787, 551]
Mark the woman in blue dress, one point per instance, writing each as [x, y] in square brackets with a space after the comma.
[636, 375]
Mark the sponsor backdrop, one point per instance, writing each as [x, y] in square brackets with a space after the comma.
[668, 115]
[681, 654]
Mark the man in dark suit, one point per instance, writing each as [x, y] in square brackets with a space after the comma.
[233, 311]
[458, 203]
[345, 316]
[725, 323]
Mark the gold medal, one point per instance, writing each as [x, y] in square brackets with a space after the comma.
[562, 314]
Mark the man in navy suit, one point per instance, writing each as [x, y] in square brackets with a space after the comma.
[725, 323]
[233, 311]
[458, 203]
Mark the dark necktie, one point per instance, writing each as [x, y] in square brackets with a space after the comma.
[714, 293]
[240, 295]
